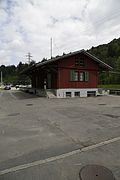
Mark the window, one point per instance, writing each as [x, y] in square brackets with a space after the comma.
[77, 94]
[76, 62]
[84, 76]
[68, 94]
[91, 93]
[80, 61]
[76, 76]
[73, 75]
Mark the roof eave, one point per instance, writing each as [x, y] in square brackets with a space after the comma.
[102, 64]
[99, 61]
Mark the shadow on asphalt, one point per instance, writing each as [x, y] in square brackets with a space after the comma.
[21, 95]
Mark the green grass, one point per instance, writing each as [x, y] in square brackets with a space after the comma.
[109, 86]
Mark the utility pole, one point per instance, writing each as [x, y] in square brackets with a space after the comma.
[1, 79]
[51, 47]
[29, 57]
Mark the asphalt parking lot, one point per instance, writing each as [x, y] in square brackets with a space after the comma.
[52, 139]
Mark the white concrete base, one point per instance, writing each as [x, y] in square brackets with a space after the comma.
[65, 93]
[62, 93]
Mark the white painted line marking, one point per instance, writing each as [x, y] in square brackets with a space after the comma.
[100, 144]
[62, 156]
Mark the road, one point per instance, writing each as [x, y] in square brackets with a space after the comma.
[44, 138]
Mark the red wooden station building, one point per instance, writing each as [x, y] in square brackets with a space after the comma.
[70, 75]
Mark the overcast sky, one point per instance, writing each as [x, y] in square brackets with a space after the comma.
[27, 26]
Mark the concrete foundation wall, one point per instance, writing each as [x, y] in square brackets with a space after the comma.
[61, 93]
[64, 93]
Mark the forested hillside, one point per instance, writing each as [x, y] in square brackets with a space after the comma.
[12, 74]
[110, 54]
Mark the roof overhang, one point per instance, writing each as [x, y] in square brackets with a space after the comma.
[101, 63]
[40, 64]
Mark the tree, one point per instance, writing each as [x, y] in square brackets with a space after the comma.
[32, 63]
[110, 54]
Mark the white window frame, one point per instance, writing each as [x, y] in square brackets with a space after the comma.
[84, 76]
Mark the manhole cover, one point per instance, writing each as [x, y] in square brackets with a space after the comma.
[95, 172]
[112, 116]
[29, 104]
[14, 114]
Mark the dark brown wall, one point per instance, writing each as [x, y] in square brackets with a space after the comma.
[60, 71]
[64, 73]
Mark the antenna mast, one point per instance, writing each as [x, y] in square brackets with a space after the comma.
[51, 47]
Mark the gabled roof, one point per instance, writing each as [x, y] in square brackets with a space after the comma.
[102, 64]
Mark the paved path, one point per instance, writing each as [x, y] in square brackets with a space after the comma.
[53, 138]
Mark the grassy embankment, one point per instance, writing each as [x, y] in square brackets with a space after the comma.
[109, 86]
